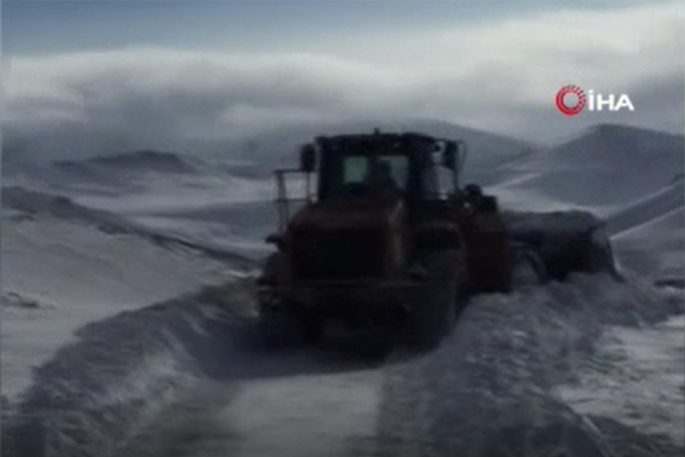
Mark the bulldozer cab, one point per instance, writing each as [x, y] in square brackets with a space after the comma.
[386, 166]
[374, 167]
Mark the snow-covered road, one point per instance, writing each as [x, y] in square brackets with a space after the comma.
[502, 384]
[308, 416]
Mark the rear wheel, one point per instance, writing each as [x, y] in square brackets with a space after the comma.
[434, 311]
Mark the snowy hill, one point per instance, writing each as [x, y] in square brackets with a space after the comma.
[120, 170]
[649, 234]
[628, 175]
[26, 204]
[279, 148]
[138, 161]
[669, 199]
[65, 265]
[607, 165]
[655, 249]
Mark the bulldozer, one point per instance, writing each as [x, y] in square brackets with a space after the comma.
[384, 232]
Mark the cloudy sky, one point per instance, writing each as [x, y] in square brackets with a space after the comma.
[88, 76]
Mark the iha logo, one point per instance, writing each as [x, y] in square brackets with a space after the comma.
[571, 100]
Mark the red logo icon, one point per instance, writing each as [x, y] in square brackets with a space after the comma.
[564, 107]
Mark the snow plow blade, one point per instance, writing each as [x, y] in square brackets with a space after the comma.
[566, 241]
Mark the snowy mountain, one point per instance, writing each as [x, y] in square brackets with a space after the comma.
[626, 174]
[278, 149]
[606, 165]
[643, 211]
[136, 161]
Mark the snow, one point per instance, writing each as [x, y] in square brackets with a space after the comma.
[637, 375]
[77, 274]
[490, 389]
[645, 211]
[606, 166]
[654, 249]
[333, 408]
[120, 374]
[179, 194]
[105, 294]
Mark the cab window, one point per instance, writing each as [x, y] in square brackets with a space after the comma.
[359, 175]
[397, 167]
[355, 169]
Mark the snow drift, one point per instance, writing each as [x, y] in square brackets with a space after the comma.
[488, 390]
[121, 372]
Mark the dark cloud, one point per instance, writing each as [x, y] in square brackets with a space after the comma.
[499, 77]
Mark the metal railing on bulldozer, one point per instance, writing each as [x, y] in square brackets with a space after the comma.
[282, 199]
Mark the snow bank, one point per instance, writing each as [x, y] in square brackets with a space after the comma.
[121, 372]
[487, 391]
[637, 376]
